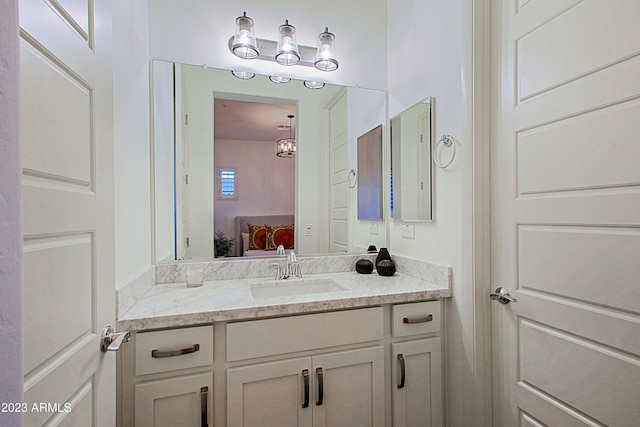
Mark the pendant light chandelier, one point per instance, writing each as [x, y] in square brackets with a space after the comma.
[286, 147]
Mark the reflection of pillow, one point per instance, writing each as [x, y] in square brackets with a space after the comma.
[279, 235]
[257, 236]
[245, 241]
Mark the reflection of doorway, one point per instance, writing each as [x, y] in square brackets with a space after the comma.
[245, 135]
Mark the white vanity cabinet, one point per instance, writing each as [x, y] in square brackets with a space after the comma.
[417, 366]
[321, 389]
[166, 378]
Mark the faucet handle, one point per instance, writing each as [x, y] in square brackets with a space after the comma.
[280, 250]
[292, 256]
[279, 273]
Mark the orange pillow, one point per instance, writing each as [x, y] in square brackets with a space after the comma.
[257, 236]
[279, 235]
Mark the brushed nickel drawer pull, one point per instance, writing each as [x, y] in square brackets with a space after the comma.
[172, 353]
[424, 319]
[204, 416]
[305, 377]
[402, 370]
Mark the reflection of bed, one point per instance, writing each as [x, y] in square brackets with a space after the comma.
[242, 227]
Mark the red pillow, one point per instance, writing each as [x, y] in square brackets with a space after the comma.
[257, 236]
[279, 235]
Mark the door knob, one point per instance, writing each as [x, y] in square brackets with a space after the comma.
[502, 295]
[112, 340]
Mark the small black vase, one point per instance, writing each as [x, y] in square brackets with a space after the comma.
[386, 267]
[383, 254]
[364, 266]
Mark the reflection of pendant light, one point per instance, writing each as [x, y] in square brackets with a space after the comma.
[244, 41]
[286, 147]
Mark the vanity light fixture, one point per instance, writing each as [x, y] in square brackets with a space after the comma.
[326, 53]
[286, 50]
[244, 41]
[286, 147]
[243, 75]
[279, 79]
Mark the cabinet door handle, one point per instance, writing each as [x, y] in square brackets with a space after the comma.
[305, 378]
[320, 386]
[423, 319]
[402, 370]
[172, 353]
[204, 391]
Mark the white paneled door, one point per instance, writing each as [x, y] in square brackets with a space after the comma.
[67, 148]
[566, 213]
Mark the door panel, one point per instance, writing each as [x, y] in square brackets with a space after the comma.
[566, 213]
[353, 388]
[67, 146]
[339, 189]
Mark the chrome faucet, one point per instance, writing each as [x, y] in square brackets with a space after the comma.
[293, 265]
[290, 269]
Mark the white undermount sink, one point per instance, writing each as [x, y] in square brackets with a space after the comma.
[288, 287]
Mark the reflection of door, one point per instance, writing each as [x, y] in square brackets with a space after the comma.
[566, 215]
[67, 148]
[181, 150]
[339, 188]
[424, 164]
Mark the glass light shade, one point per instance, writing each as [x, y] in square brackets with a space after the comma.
[326, 53]
[279, 79]
[286, 148]
[244, 41]
[243, 75]
[313, 85]
[287, 50]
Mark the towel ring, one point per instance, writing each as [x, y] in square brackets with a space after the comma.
[447, 141]
[352, 172]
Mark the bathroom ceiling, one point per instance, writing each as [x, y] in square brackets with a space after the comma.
[251, 121]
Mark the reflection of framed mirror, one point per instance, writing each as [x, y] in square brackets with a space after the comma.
[411, 165]
[370, 175]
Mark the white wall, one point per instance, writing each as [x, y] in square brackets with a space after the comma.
[131, 134]
[10, 216]
[438, 65]
[265, 182]
[197, 32]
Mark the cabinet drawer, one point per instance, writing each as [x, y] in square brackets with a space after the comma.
[173, 349]
[415, 318]
[260, 338]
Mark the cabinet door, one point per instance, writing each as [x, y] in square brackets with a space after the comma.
[180, 401]
[352, 388]
[417, 401]
[270, 394]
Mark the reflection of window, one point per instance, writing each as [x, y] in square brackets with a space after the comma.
[227, 183]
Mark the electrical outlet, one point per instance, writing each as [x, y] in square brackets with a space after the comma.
[308, 230]
[409, 231]
[373, 228]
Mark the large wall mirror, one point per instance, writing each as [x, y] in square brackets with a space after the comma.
[411, 166]
[216, 167]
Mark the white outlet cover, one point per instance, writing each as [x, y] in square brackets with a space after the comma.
[409, 231]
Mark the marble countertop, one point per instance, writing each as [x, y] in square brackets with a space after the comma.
[173, 304]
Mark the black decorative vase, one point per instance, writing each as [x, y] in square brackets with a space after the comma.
[386, 267]
[364, 266]
[372, 249]
[383, 254]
